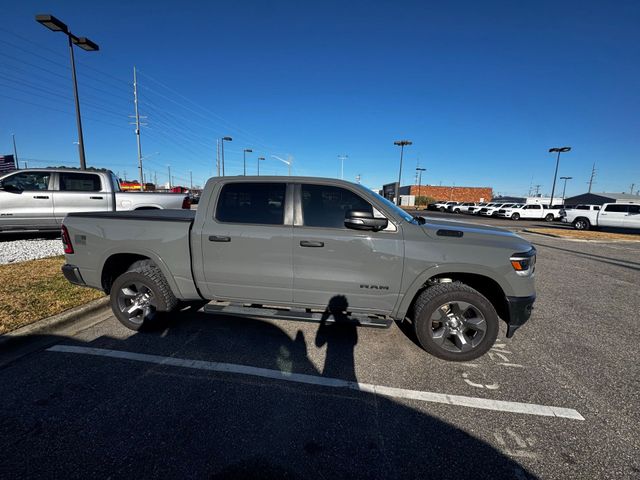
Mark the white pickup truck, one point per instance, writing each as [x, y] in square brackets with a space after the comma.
[39, 199]
[529, 211]
[619, 215]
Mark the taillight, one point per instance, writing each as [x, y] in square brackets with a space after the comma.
[186, 203]
[66, 241]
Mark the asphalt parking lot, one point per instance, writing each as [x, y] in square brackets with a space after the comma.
[219, 397]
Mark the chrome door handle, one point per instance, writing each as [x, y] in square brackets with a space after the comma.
[41, 197]
[308, 243]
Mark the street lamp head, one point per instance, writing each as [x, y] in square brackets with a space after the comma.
[559, 149]
[86, 44]
[261, 158]
[402, 143]
[566, 178]
[227, 139]
[248, 150]
[52, 23]
[419, 169]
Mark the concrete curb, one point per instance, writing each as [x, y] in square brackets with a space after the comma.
[51, 325]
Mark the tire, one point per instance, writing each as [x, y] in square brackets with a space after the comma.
[448, 313]
[442, 209]
[145, 286]
[515, 216]
[549, 217]
[457, 210]
[581, 223]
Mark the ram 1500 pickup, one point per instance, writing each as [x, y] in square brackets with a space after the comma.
[314, 249]
[39, 199]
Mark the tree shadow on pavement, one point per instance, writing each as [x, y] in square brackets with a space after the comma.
[74, 415]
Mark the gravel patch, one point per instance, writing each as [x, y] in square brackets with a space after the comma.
[23, 250]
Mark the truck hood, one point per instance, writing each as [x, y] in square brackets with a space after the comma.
[473, 232]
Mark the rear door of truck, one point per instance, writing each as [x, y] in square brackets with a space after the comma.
[613, 215]
[79, 192]
[246, 242]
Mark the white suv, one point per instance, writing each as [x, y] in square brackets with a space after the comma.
[462, 207]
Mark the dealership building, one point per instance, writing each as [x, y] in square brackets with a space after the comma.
[408, 193]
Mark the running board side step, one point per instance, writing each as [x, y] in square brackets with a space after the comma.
[306, 315]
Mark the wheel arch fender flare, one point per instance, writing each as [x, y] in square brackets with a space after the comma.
[406, 300]
[108, 255]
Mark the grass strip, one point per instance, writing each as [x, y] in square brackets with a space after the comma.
[30, 291]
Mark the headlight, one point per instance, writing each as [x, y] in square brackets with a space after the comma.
[524, 263]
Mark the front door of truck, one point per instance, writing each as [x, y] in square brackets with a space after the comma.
[330, 260]
[26, 201]
[246, 244]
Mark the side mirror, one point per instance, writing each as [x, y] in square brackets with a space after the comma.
[359, 220]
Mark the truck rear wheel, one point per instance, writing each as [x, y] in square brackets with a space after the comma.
[455, 322]
[515, 216]
[139, 294]
[549, 217]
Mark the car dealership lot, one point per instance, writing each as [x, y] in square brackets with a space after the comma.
[221, 397]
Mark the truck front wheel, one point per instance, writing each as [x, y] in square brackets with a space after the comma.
[455, 322]
[139, 294]
[581, 224]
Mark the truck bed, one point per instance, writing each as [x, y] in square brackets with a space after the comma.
[160, 235]
[164, 215]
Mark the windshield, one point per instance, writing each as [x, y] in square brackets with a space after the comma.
[392, 206]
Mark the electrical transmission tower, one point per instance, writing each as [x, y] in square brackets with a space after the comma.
[138, 124]
[593, 175]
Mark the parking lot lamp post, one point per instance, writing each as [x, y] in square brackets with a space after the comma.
[53, 24]
[420, 170]
[224, 139]
[557, 150]
[564, 189]
[260, 159]
[401, 144]
[244, 160]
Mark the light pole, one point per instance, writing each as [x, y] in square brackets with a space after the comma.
[260, 159]
[401, 144]
[420, 170]
[244, 160]
[342, 158]
[557, 150]
[52, 23]
[224, 139]
[564, 189]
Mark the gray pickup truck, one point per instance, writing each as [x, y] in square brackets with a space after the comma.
[39, 199]
[308, 249]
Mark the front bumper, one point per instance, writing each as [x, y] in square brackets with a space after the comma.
[520, 309]
[72, 273]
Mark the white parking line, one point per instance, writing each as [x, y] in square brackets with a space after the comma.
[459, 400]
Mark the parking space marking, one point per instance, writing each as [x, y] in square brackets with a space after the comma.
[431, 397]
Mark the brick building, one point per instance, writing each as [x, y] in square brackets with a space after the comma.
[458, 194]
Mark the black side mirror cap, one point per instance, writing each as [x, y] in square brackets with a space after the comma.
[361, 220]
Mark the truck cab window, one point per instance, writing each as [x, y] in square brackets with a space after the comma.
[253, 203]
[326, 205]
[80, 182]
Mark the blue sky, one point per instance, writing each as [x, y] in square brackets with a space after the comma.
[483, 89]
